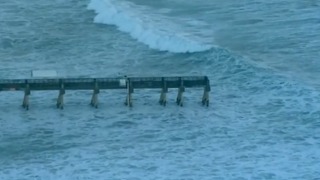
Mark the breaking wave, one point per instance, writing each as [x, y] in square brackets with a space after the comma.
[154, 30]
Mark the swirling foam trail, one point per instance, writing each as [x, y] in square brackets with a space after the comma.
[145, 27]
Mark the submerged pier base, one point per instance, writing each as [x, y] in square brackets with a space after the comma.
[27, 92]
[205, 97]
[60, 96]
[94, 99]
[163, 95]
[181, 90]
[128, 101]
[179, 100]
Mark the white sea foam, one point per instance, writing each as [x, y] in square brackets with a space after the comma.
[154, 30]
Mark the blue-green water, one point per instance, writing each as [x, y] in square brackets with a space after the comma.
[261, 58]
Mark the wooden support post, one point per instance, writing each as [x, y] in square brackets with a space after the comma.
[60, 97]
[27, 92]
[128, 101]
[205, 97]
[94, 99]
[163, 95]
[180, 94]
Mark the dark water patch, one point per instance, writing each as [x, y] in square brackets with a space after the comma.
[175, 138]
[232, 96]
[248, 148]
[248, 22]
[32, 150]
[48, 43]
[157, 149]
[123, 124]
[147, 137]
[279, 132]
[35, 143]
[294, 138]
[14, 24]
[185, 136]
[265, 175]
[151, 168]
[69, 137]
[220, 132]
[6, 43]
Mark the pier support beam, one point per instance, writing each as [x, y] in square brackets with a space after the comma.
[94, 99]
[179, 100]
[163, 95]
[205, 97]
[60, 97]
[128, 101]
[27, 92]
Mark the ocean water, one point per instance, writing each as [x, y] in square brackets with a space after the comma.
[262, 58]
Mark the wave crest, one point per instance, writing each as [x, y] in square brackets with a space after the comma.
[152, 30]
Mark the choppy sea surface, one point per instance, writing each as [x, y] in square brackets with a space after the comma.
[262, 58]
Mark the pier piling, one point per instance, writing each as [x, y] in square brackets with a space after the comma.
[60, 96]
[181, 90]
[205, 97]
[27, 92]
[96, 91]
[179, 100]
[163, 95]
[128, 101]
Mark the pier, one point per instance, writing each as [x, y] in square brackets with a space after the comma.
[61, 85]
